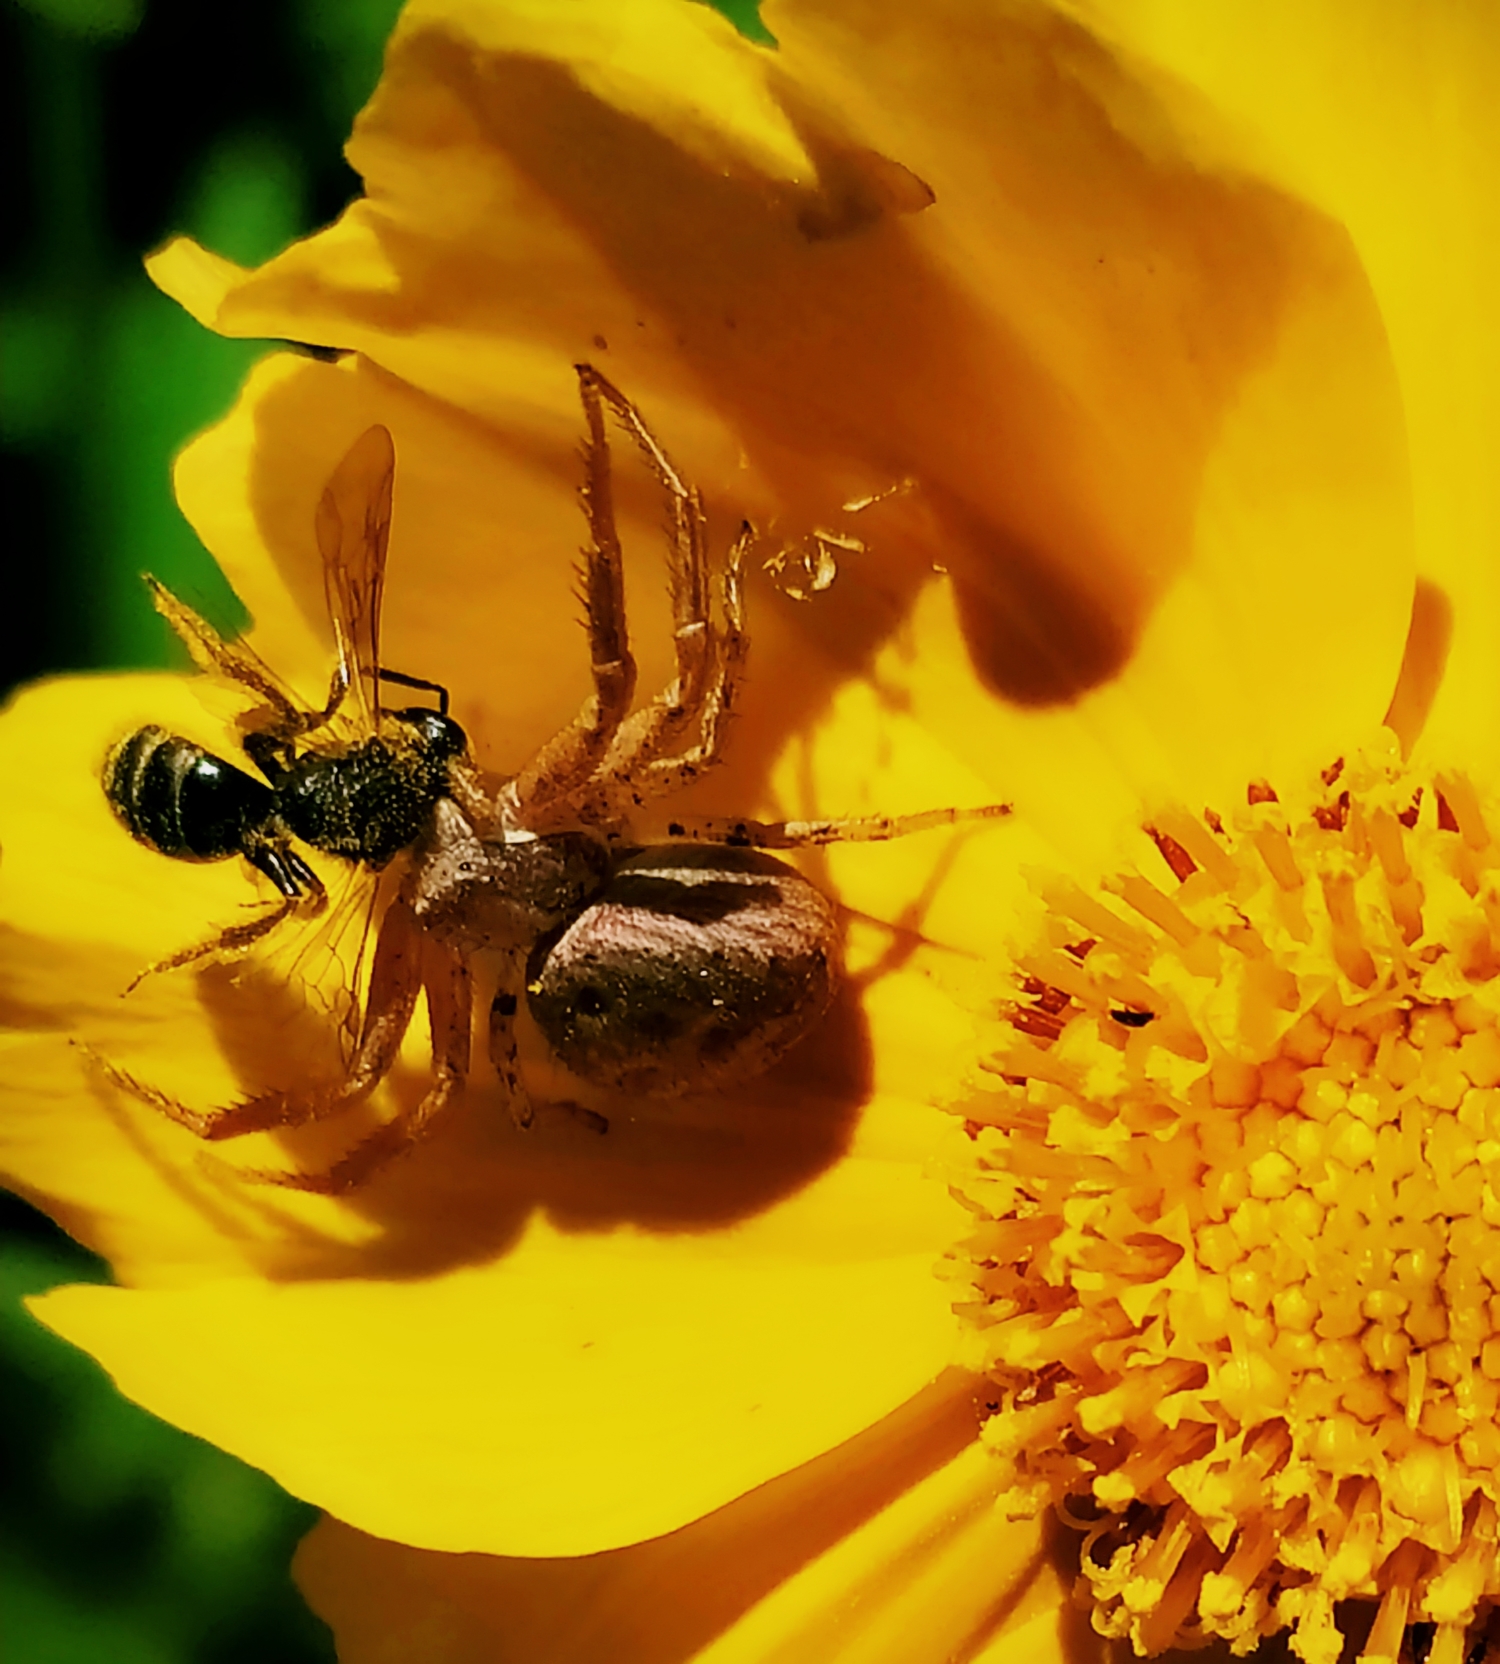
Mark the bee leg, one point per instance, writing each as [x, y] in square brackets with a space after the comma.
[300, 887]
[502, 1046]
[233, 938]
[569, 759]
[210, 652]
[445, 978]
[802, 834]
[287, 871]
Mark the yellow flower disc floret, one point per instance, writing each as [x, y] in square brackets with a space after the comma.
[1235, 1265]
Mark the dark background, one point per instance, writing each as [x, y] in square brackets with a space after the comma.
[122, 1540]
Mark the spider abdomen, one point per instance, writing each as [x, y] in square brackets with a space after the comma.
[696, 968]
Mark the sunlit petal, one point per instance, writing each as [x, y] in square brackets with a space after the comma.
[1390, 123]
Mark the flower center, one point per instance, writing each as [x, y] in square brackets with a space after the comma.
[1236, 1245]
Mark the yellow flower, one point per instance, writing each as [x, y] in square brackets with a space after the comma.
[1153, 344]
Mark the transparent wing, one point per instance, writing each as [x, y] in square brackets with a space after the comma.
[324, 962]
[353, 529]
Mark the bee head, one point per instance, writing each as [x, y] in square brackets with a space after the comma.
[438, 737]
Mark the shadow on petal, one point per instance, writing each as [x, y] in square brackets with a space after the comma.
[665, 1601]
[1422, 664]
[687, 1164]
[1055, 390]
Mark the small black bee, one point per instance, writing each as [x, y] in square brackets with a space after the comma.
[366, 802]
[363, 797]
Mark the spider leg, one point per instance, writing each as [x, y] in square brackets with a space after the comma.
[300, 887]
[653, 730]
[656, 776]
[503, 1056]
[231, 1121]
[801, 834]
[502, 1044]
[566, 761]
[394, 978]
[445, 976]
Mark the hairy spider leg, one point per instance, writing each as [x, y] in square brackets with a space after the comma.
[572, 756]
[504, 1058]
[502, 1041]
[394, 980]
[710, 662]
[803, 834]
[406, 959]
[664, 775]
[652, 730]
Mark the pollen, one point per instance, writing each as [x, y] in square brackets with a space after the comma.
[1234, 1266]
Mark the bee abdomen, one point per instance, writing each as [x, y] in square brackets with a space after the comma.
[181, 800]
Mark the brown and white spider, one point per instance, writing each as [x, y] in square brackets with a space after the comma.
[684, 966]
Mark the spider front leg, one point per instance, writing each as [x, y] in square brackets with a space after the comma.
[394, 980]
[569, 759]
[415, 959]
[657, 776]
[503, 1056]
[502, 1043]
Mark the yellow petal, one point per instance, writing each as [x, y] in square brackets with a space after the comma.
[1246, 434]
[1145, 398]
[1389, 121]
[579, 1394]
[874, 1546]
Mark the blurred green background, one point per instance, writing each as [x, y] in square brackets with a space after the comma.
[122, 1540]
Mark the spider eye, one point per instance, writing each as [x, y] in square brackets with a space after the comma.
[590, 1002]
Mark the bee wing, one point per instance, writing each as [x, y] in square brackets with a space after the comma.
[328, 957]
[353, 528]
